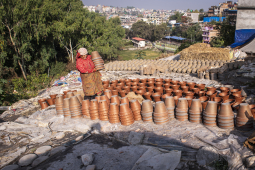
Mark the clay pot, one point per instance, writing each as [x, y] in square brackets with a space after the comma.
[44, 105]
[159, 80]
[151, 80]
[103, 110]
[182, 83]
[134, 88]
[224, 89]
[167, 85]
[213, 89]
[150, 84]
[136, 109]
[175, 82]
[176, 98]
[158, 84]
[66, 110]
[147, 95]
[224, 96]
[239, 99]
[189, 93]
[114, 81]
[143, 81]
[168, 90]
[169, 102]
[201, 86]
[177, 92]
[160, 115]
[164, 96]
[201, 93]
[113, 113]
[167, 81]
[244, 112]
[134, 84]
[211, 108]
[182, 104]
[124, 100]
[85, 108]
[141, 92]
[196, 90]
[150, 89]
[211, 94]
[128, 81]
[115, 99]
[115, 92]
[135, 80]
[122, 81]
[236, 91]
[106, 82]
[156, 98]
[50, 101]
[127, 88]
[69, 94]
[75, 107]
[126, 115]
[185, 88]
[93, 110]
[196, 107]
[141, 85]
[123, 93]
[159, 89]
[191, 85]
[53, 96]
[128, 84]
[147, 107]
[226, 116]
[175, 87]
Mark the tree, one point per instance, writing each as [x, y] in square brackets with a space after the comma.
[140, 54]
[196, 11]
[140, 16]
[177, 16]
[201, 10]
[216, 42]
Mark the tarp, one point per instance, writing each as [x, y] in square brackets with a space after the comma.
[217, 19]
[174, 37]
[243, 36]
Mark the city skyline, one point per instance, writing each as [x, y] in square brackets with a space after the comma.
[159, 4]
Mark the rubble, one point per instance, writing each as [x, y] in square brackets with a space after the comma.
[87, 159]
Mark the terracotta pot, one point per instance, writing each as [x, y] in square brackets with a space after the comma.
[136, 109]
[44, 105]
[115, 92]
[182, 104]
[159, 80]
[124, 100]
[135, 80]
[159, 89]
[185, 88]
[175, 82]
[189, 93]
[115, 99]
[175, 87]
[150, 84]
[244, 112]
[141, 85]
[134, 88]
[196, 90]
[211, 89]
[201, 93]
[176, 98]
[196, 106]
[42, 100]
[169, 102]
[143, 81]
[134, 84]
[239, 99]
[201, 86]
[123, 93]
[157, 98]
[177, 92]
[237, 91]
[191, 85]
[103, 110]
[127, 89]
[224, 96]
[151, 79]
[224, 89]
[104, 97]
[93, 110]
[147, 107]
[141, 92]
[164, 96]
[166, 85]
[211, 108]
[114, 81]
[128, 84]
[53, 96]
[168, 90]
[150, 89]
[147, 95]
[182, 83]
[69, 94]
[211, 94]
[167, 81]
[158, 84]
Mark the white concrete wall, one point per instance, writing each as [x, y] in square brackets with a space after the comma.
[246, 3]
[246, 17]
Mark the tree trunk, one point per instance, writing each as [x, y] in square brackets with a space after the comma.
[22, 70]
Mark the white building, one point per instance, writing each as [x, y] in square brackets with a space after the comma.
[138, 42]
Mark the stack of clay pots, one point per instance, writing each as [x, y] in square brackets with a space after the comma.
[210, 114]
[75, 107]
[126, 115]
[170, 106]
[113, 113]
[108, 93]
[115, 99]
[136, 109]
[182, 109]
[244, 119]
[93, 110]
[103, 110]
[85, 108]
[43, 103]
[147, 110]
[97, 60]
[226, 116]
[50, 101]
[53, 97]
[195, 115]
[66, 109]
[59, 104]
[160, 114]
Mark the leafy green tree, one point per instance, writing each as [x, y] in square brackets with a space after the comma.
[201, 10]
[140, 54]
[177, 16]
[196, 11]
[216, 42]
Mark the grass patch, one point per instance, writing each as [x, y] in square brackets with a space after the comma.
[130, 55]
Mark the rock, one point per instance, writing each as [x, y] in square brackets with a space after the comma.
[79, 138]
[87, 159]
[8, 158]
[2, 127]
[27, 159]
[39, 160]
[60, 135]
[250, 162]
[42, 124]
[57, 150]
[37, 138]
[11, 167]
[42, 150]
[91, 167]
[153, 159]
[206, 155]
[135, 138]
[82, 128]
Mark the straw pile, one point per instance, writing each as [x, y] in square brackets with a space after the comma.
[200, 51]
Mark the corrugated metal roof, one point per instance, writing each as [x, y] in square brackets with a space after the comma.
[138, 39]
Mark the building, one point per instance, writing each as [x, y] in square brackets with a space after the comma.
[208, 33]
[138, 42]
[194, 16]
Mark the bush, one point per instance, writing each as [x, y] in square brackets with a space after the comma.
[58, 68]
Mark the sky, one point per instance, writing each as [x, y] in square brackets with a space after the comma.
[158, 4]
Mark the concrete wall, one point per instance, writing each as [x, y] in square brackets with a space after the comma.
[245, 14]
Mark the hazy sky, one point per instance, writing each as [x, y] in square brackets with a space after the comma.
[158, 4]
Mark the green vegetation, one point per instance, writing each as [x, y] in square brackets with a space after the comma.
[130, 55]
[140, 54]
[41, 37]
[177, 16]
[147, 31]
